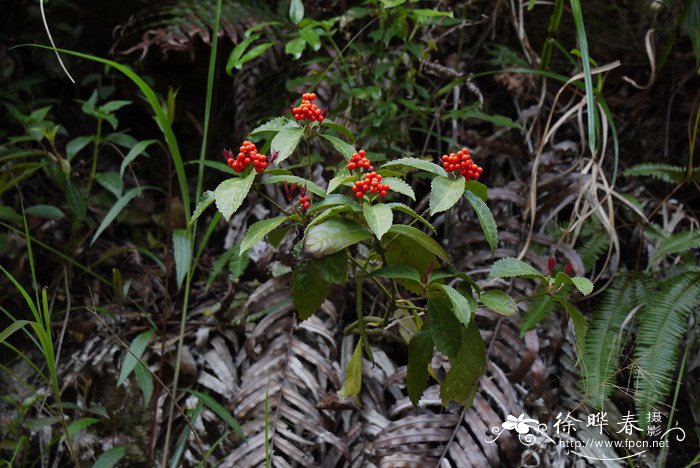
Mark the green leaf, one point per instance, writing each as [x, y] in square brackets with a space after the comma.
[253, 53]
[498, 301]
[537, 310]
[580, 325]
[286, 142]
[353, 373]
[407, 272]
[300, 181]
[477, 188]
[343, 148]
[405, 209]
[466, 368]
[207, 199]
[415, 163]
[45, 211]
[182, 249]
[338, 181]
[420, 353]
[295, 47]
[77, 144]
[145, 381]
[334, 267]
[220, 411]
[379, 217]
[110, 457]
[332, 236]
[11, 329]
[229, 195]
[115, 210]
[335, 200]
[111, 181]
[272, 126]
[137, 150]
[311, 37]
[113, 106]
[399, 186]
[342, 129]
[444, 193]
[421, 238]
[234, 60]
[296, 11]
[138, 346]
[79, 425]
[444, 326]
[582, 284]
[512, 267]
[460, 306]
[664, 172]
[488, 224]
[309, 289]
[76, 200]
[256, 232]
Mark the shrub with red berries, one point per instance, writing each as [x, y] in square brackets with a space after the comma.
[307, 110]
[360, 161]
[247, 154]
[371, 183]
[461, 162]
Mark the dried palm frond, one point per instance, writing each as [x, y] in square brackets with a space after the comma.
[287, 368]
[172, 25]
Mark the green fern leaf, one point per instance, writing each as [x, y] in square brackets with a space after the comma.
[664, 172]
[604, 340]
[677, 243]
[663, 326]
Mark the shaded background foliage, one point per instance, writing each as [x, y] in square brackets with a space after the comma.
[394, 86]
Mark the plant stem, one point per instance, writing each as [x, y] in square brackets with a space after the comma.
[95, 154]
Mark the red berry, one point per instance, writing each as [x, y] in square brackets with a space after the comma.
[359, 194]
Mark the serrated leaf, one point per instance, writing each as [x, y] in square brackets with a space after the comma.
[335, 200]
[286, 141]
[229, 195]
[466, 368]
[182, 249]
[421, 238]
[379, 217]
[135, 151]
[477, 188]
[296, 11]
[444, 327]
[512, 267]
[582, 284]
[460, 306]
[332, 236]
[405, 209]
[342, 147]
[115, 210]
[256, 232]
[415, 163]
[138, 346]
[334, 267]
[498, 301]
[338, 181]
[274, 125]
[488, 224]
[420, 353]
[300, 181]
[309, 289]
[397, 272]
[444, 193]
[399, 186]
[353, 373]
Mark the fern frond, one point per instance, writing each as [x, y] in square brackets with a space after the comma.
[663, 326]
[593, 247]
[664, 172]
[678, 243]
[604, 340]
[538, 309]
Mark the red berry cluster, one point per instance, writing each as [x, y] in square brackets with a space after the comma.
[462, 162]
[307, 110]
[360, 161]
[305, 202]
[247, 154]
[304, 199]
[371, 183]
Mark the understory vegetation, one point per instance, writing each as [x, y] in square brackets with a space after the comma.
[379, 233]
